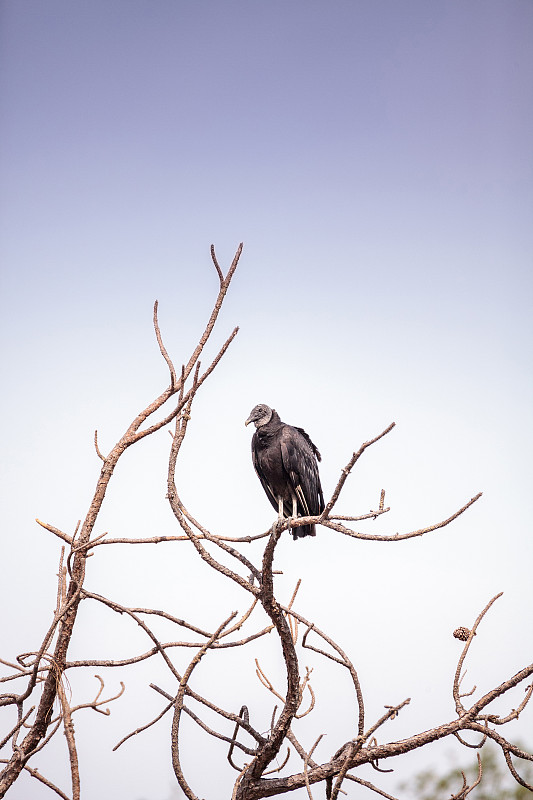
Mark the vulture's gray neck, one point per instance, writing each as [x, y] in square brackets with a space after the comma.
[265, 419]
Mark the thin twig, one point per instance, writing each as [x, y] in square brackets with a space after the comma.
[217, 267]
[55, 531]
[68, 727]
[98, 453]
[456, 696]
[145, 727]
[243, 714]
[369, 786]
[466, 789]
[397, 537]
[37, 775]
[162, 348]
[348, 468]
[306, 766]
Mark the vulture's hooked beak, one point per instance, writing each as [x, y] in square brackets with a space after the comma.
[247, 421]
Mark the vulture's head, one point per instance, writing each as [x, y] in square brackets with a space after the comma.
[259, 415]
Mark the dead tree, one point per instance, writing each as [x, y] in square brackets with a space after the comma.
[41, 674]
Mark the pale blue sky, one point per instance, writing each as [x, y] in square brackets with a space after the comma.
[375, 158]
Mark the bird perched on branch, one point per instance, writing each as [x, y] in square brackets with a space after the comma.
[285, 460]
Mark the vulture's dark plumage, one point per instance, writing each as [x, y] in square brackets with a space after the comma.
[285, 460]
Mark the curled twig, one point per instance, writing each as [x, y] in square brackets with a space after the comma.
[96, 703]
[243, 714]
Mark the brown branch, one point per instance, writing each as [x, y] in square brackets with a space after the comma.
[243, 713]
[40, 725]
[397, 537]
[360, 517]
[37, 775]
[66, 617]
[68, 727]
[182, 517]
[306, 766]
[144, 727]
[269, 750]
[468, 744]
[96, 703]
[17, 727]
[208, 704]
[178, 707]
[305, 684]
[49, 668]
[514, 773]
[217, 267]
[299, 749]
[500, 740]
[343, 660]
[220, 542]
[487, 698]
[55, 531]
[353, 754]
[224, 285]
[370, 786]
[159, 539]
[348, 468]
[140, 434]
[193, 716]
[141, 624]
[162, 348]
[216, 734]
[265, 681]
[281, 766]
[61, 582]
[456, 696]
[343, 770]
[53, 728]
[465, 790]
[149, 611]
[513, 714]
[12, 666]
[241, 722]
[237, 784]
[98, 453]
[124, 662]
[391, 713]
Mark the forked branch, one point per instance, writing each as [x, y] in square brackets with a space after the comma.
[64, 619]
[266, 758]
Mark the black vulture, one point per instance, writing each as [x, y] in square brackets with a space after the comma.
[285, 460]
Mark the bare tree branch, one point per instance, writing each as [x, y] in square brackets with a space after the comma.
[40, 674]
[178, 707]
[348, 468]
[71, 741]
[64, 620]
[37, 775]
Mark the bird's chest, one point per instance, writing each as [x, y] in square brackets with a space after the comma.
[270, 464]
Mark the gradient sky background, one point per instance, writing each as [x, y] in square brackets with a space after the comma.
[375, 158]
